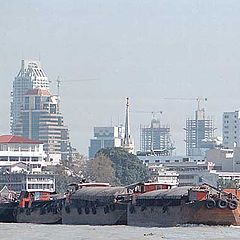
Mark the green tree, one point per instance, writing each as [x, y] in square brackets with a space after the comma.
[100, 169]
[128, 168]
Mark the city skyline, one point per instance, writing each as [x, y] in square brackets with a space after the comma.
[179, 50]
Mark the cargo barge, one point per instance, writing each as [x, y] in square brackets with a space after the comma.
[184, 205]
[96, 204]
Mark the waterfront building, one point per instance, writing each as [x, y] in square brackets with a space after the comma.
[24, 181]
[105, 137]
[128, 142]
[185, 174]
[15, 149]
[30, 76]
[231, 129]
[42, 120]
[155, 137]
[166, 159]
[198, 131]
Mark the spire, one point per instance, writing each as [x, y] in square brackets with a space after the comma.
[127, 125]
[127, 141]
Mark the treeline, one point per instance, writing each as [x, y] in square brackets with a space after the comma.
[111, 165]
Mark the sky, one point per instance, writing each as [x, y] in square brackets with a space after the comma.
[105, 51]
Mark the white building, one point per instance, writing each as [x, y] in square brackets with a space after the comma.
[15, 149]
[155, 159]
[28, 182]
[185, 174]
[105, 137]
[30, 76]
[231, 129]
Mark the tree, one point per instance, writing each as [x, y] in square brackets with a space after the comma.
[69, 172]
[128, 168]
[100, 169]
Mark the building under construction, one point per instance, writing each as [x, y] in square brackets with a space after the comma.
[155, 138]
[198, 132]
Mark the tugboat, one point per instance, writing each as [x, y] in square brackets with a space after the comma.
[96, 204]
[184, 205]
[39, 207]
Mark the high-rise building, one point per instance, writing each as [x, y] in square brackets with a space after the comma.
[198, 131]
[105, 137]
[155, 137]
[42, 120]
[128, 143]
[231, 129]
[30, 76]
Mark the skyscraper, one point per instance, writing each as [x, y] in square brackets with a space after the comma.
[42, 120]
[30, 76]
[198, 130]
[155, 137]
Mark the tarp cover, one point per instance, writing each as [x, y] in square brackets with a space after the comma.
[101, 194]
[173, 193]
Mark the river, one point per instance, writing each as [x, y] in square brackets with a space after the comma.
[66, 232]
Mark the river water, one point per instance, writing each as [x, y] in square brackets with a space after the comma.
[66, 232]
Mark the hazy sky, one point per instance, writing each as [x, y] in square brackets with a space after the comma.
[146, 50]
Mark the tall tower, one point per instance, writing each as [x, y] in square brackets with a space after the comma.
[128, 143]
[197, 131]
[42, 120]
[30, 76]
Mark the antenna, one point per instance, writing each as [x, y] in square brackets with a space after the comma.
[58, 92]
[58, 85]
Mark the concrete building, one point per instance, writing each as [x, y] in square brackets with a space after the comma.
[14, 149]
[178, 159]
[227, 160]
[30, 76]
[20, 181]
[155, 137]
[198, 130]
[185, 174]
[105, 137]
[42, 120]
[231, 129]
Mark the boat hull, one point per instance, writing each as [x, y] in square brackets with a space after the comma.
[43, 212]
[7, 212]
[75, 216]
[187, 213]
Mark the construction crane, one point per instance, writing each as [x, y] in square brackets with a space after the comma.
[154, 113]
[198, 99]
[59, 81]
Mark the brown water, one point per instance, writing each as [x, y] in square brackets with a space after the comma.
[66, 232]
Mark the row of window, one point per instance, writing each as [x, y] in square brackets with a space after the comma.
[21, 159]
[40, 186]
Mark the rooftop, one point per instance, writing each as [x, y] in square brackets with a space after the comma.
[16, 139]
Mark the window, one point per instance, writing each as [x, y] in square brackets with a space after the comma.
[13, 159]
[3, 158]
[34, 159]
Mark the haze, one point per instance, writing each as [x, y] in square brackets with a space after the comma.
[146, 50]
